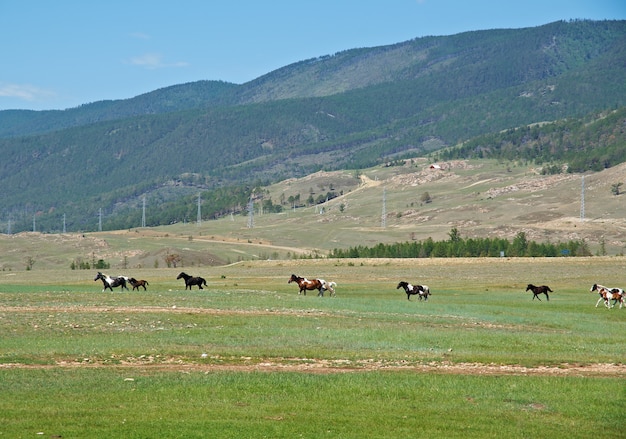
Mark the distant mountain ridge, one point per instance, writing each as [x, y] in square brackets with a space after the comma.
[530, 54]
[351, 109]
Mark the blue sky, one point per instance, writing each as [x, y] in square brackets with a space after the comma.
[64, 53]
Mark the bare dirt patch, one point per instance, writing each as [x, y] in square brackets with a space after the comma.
[326, 366]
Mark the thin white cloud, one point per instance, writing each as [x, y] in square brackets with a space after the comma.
[154, 61]
[140, 35]
[24, 92]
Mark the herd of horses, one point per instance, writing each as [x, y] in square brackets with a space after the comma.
[606, 294]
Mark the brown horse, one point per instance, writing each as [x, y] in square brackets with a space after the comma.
[138, 283]
[543, 289]
[305, 284]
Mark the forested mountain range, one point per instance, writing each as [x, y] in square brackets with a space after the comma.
[352, 109]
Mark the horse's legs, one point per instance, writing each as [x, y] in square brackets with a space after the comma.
[598, 302]
[547, 297]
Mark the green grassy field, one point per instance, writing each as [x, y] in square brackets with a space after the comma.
[249, 357]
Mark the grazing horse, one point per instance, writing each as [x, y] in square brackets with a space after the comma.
[543, 289]
[422, 291]
[111, 282]
[190, 280]
[138, 283]
[607, 294]
[316, 284]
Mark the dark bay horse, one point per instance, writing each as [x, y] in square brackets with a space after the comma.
[422, 291]
[543, 289]
[111, 282]
[190, 280]
[138, 283]
[304, 284]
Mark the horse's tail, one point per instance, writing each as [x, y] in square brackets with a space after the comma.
[550, 289]
[204, 282]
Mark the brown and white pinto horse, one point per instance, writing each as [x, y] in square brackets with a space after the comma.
[304, 284]
[543, 289]
[607, 294]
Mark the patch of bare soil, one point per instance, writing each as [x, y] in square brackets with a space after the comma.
[530, 185]
[325, 366]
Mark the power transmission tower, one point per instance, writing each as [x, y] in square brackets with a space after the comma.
[143, 213]
[34, 225]
[582, 200]
[9, 227]
[199, 219]
[64, 230]
[250, 213]
[100, 220]
[383, 219]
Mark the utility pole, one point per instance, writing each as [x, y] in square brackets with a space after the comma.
[100, 219]
[64, 230]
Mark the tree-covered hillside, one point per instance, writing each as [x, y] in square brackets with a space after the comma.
[587, 144]
[352, 109]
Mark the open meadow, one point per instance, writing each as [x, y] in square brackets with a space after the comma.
[249, 357]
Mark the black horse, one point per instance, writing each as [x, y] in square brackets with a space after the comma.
[111, 282]
[190, 280]
[422, 291]
[543, 289]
